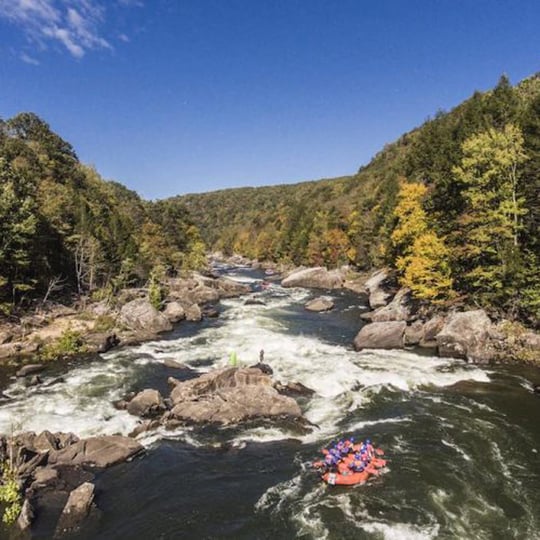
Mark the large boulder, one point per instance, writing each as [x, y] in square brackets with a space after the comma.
[233, 405]
[76, 509]
[146, 404]
[431, 329]
[401, 308]
[320, 304]
[102, 451]
[379, 288]
[140, 314]
[193, 313]
[30, 369]
[316, 278]
[381, 335]
[466, 335]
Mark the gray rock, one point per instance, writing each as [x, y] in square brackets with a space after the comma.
[174, 312]
[76, 509]
[316, 278]
[414, 333]
[170, 363]
[140, 314]
[320, 304]
[193, 313]
[102, 342]
[399, 309]
[101, 452]
[466, 335]
[431, 329]
[30, 369]
[381, 335]
[146, 404]
[44, 476]
[377, 288]
[26, 517]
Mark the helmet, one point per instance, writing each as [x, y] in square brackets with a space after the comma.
[368, 441]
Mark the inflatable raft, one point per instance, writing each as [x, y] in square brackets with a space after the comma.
[342, 473]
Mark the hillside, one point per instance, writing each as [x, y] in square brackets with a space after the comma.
[469, 177]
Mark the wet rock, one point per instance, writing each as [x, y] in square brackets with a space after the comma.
[401, 308]
[140, 314]
[174, 311]
[466, 335]
[378, 288]
[76, 509]
[381, 335]
[146, 404]
[293, 389]
[143, 427]
[35, 380]
[193, 313]
[101, 452]
[102, 342]
[320, 304]
[170, 363]
[315, 278]
[254, 302]
[210, 312]
[30, 369]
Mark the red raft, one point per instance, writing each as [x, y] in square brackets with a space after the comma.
[343, 475]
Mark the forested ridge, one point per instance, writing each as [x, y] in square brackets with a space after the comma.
[453, 205]
[67, 233]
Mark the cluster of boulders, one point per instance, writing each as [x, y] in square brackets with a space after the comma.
[132, 317]
[54, 469]
[224, 396]
[397, 322]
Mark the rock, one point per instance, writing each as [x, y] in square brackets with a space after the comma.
[399, 309]
[102, 342]
[233, 405]
[218, 379]
[254, 302]
[531, 341]
[378, 288]
[465, 335]
[35, 380]
[28, 467]
[76, 509]
[140, 314]
[414, 333]
[293, 389]
[26, 517]
[431, 329]
[30, 369]
[193, 313]
[44, 476]
[263, 368]
[320, 304]
[174, 312]
[45, 442]
[146, 404]
[144, 426]
[381, 335]
[316, 278]
[210, 312]
[536, 388]
[170, 363]
[101, 452]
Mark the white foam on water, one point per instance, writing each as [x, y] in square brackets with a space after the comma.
[400, 531]
[460, 451]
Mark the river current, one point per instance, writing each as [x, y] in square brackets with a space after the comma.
[462, 441]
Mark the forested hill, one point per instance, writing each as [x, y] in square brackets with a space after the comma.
[64, 231]
[453, 205]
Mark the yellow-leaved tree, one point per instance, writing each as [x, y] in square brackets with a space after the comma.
[422, 257]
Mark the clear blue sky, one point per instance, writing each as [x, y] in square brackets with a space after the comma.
[171, 97]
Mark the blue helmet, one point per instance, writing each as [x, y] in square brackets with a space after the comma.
[368, 441]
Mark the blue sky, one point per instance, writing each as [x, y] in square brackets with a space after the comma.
[171, 97]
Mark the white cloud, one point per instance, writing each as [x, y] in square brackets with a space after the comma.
[75, 24]
[28, 59]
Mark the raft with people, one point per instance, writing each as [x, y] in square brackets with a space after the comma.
[348, 463]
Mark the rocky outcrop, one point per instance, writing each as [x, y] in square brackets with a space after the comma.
[228, 396]
[76, 509]
[320, 304]
[30, 369]
[380, 287]
[102, 342]
[431, 329]
[466, 335]
[414, 333]
[146, 404]
[381, 335]
[315, 278]
[100, 452]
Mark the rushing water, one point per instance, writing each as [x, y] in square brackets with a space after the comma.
[462, 441]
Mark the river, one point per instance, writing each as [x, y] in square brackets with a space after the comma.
[462, 441]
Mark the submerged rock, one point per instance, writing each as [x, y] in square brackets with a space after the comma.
[320, 304]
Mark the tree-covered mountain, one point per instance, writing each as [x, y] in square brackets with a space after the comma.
[64, 230]
[453, 205]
